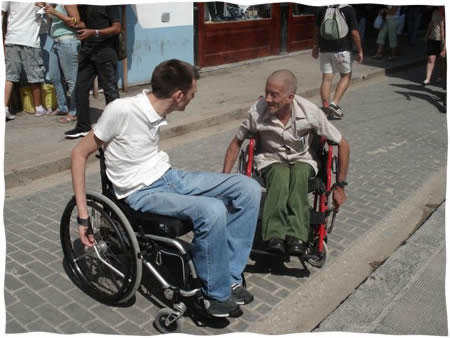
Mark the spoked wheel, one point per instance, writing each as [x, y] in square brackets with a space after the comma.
[319, 260]
[111, 270]
[166, 321]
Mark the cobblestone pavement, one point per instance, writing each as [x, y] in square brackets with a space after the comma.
[398, 137]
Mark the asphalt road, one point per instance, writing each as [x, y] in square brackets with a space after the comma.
[398, 135]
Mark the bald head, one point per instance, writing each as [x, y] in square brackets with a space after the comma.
[286, 78]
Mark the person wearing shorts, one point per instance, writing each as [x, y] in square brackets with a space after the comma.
[23, 52]
[435, 36]
[336, 57]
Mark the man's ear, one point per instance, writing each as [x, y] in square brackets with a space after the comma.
[178, 95]
[291, 97]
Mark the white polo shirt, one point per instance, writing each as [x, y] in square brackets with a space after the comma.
[130, 129]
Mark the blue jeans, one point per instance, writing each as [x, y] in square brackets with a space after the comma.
[64, 66]
[223, 209]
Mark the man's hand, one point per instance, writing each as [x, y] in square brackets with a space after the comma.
[86, 238]
[315, 52]
[359, 57]
[443, 53]
[84, 34]
[339, 197]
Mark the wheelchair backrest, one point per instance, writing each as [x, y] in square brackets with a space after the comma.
[107, 186]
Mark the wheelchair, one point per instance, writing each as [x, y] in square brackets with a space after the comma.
[125, 242]
[320, 186]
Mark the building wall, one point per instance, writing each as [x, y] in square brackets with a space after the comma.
[157, 32]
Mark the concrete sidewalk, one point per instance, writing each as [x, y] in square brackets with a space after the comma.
[404, 296]
[36, 147]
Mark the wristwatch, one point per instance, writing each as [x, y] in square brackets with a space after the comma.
[341, 184]
[97, 33]
[84, 221]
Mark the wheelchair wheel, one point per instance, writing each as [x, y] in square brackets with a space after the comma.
[111, 270]
[166, 322]
[319, 260]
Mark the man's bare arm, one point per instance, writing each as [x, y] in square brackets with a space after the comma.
[339, 196]
[89, 144]
[231, 155]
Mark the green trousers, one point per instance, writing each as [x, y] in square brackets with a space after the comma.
[286, 207]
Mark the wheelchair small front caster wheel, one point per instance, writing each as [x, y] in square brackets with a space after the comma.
[319, 260]
[167, 321]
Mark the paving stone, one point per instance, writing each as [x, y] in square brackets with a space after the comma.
[51, 314]
[21, 313]
[54, 296]
[71, 327]
[33, 281]
[39, 269]
[12, 283]
[10, 299]
[78, 312]
[26, 246]
[41, 325]
[131, 329]
[44, 256]
[108, 314]
[99, 327]
[264, 296]
[13, 326]
[263, 308]
[262, 283]
[30, 298]
[32, 237]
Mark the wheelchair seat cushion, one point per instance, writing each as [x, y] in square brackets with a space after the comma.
[157, 224]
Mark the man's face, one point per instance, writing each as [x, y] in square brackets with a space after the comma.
[277, 96]
[187, 97]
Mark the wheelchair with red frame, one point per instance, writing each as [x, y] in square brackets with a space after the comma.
[320, 186]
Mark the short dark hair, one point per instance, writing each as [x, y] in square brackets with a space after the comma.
[172, 75]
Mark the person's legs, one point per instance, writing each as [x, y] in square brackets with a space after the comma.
[275, 213]
[392, 23]
[342, 87]
[381, 40]
[298, 203]
[55, 77]
[13, 70]
[85, 78]
[67, 51]
[431, 60]
[326, 69]
[33, 66]
[107, 77]
[223, 210]
[241, 196]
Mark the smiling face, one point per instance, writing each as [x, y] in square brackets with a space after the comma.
[278, 96]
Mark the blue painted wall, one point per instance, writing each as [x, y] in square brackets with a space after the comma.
[146, 48]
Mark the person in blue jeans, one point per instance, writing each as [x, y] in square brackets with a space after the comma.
[223, 208]
[64, 58]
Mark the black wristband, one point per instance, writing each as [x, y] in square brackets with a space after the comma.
[84, 221]
[341, 184]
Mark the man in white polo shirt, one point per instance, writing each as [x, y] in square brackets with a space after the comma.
[222, 207]
[23, 51]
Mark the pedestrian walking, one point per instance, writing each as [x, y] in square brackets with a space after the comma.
[98, 32]
[336, 56]
[389, 30]
[435, 37]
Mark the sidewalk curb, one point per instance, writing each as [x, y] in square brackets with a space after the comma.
[311, 302]
[24, 176]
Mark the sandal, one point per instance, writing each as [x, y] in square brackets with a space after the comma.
[57, 112]
[67, 119]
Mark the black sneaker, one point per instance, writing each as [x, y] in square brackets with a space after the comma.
[76, 132]
[227, 308]
[241, 295]
[335, 112]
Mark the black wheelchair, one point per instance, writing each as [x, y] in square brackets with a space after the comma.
[125, 242]
[321, 186]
